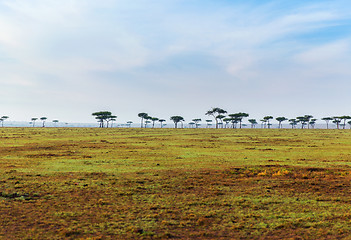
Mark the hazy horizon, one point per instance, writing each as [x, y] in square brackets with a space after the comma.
[168, 124]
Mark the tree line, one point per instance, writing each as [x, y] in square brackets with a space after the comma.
[32, 122]
[221, 119]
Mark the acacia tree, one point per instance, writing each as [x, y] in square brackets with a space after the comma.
[227, 121]
[142, 116]
[234, 120]
[103, 116]
[161, 122]
[98, 116]
[220, 117]
[55, 122]
[327, 119]
[147, 120]
[208, 123]
[146, 123]
[280, 120]
[242, 115]
[312, 122]
[215, 112]
[111, 119]
[33, 121]
[345, 118]
[308, 119]
[176, 120]
[293, 122]
[267, 118]
[100, 121]
[238, 117]
[263, 123]
[154, 119]
[337, 121]
[253, 122]
[129, 123]
[2, 119]
[304, 120]
[196, 121]
[43, 119]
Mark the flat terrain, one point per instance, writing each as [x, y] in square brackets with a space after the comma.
[74, 183]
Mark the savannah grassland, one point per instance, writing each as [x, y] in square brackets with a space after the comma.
[72, 183]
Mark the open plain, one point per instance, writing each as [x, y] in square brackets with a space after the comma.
[90, 183]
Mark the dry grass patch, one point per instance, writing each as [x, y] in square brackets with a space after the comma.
[163, 183]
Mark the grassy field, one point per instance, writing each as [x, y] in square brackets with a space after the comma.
[73, 183]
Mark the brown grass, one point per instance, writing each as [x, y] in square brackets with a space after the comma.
[184, 184]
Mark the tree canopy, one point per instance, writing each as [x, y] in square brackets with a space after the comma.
[2, 119]
[215, 112]
[104, 116]
[142, 116]
[176, 120]
[280, 120]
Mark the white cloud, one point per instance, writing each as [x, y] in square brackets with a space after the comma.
[328, 62]
[68, 48]
[63, 43]
[330, 52]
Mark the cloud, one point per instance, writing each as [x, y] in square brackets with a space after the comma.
[334, 51]
[51, 34]
[148, 51]
[325, 64]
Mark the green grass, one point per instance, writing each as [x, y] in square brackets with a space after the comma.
[174, 183]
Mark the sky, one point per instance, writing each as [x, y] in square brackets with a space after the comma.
[67, 59]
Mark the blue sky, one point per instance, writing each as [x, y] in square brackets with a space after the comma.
[66, 59]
